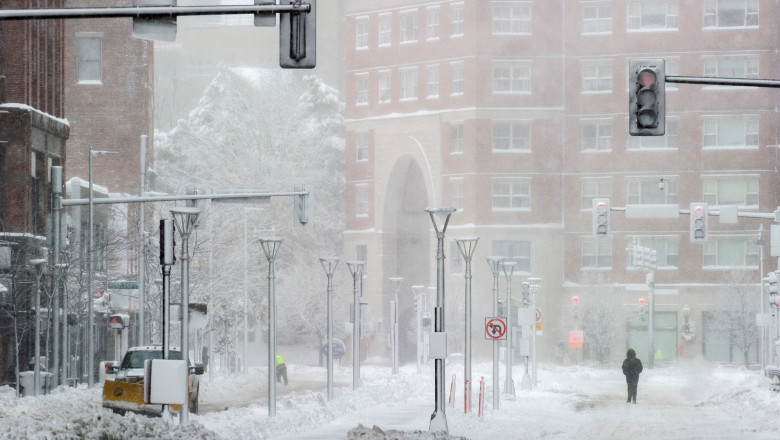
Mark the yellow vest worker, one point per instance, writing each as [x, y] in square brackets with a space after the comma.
[281, 369]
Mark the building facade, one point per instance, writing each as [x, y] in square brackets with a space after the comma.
[515, 112]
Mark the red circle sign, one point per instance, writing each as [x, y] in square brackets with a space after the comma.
[495, 328]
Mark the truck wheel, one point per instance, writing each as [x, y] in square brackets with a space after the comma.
[194, 402]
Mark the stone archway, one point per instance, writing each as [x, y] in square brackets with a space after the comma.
[405, 241]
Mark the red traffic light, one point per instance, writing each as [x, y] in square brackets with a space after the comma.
[575, 300]
[641, 301]
[647, 78]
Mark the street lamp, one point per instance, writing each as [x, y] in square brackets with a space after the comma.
[271, 247]
[534, 285]
[495, 267]
[418, 291]
[90, 311]
[396, 281]
[439, 418]
[185, 217]
[329, 265]
[36, 265]
[467, 247]
[509, 267]
[356, 269]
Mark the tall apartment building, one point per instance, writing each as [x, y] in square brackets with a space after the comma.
[515, 112]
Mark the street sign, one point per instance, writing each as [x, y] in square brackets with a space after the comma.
[575, 338]
[128, 285]
[538, 315]
[495, 328]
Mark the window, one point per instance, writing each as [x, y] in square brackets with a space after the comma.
[514, 250]
[597, 135]
[596, 254]
[511, 136]
[361, 254]
[597, 77]
[740, 191]
[646, 191]
[408, 27]
[361, 89]
[730, 132]
[456, 15]
[456, 192]
[385, 30]
[432, 84]
[361, 200]
[408, 84]
[361, 33]
[90, 59]
[731, 66]
[730, 252]
[511, 18]
[592, 189]
[665, 142]
[456, 73]
[730, 13]
[597, 18]
[511, 195]
[361, 146]
[456, 131]
[665, 248]
[512, 77]
[432, 23]
[384, 87]
[652, 15]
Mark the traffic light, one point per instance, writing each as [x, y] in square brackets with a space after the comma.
[159, 29]
[774, 286]
[642, 309]
[646, 94]
[298, 37]
[167, 242]
[699, 222]
[304, 206]
[120, 321]
[601, 217]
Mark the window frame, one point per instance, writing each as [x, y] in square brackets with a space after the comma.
[361, 89]
[361, 200]
[84, 63]
[457, 20]
[457, 78]
[711, 259]
[668, 16]
[671, 191]
[518, 84]
[602, 260]
[361, 33]
[512, 125]
[598, 7]
[713, 15]
[599, 124]
[586, 197]
[432, 27]
[751, 183]
[404, 85]
[516, 18]
[514, 183]
[405, 28]
[362, 146]
[385, 30]
[747, 120]
[598, 78]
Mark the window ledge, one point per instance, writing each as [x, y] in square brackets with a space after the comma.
[639, 31]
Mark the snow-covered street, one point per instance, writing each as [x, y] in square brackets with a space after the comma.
[688, 400]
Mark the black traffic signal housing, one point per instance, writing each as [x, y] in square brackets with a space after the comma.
[699, 222]
[601, 218]
[647, 97]
[298, 37]
[167, 242]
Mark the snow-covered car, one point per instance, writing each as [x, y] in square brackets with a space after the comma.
[126, 391]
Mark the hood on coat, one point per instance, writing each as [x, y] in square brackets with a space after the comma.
[631, 354]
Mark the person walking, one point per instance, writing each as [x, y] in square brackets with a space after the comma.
[281, 369]
[632, 367]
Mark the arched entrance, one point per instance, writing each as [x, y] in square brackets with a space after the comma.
[406, 246]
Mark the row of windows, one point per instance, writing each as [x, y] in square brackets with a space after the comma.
[515, 77]
[513, 194]
[719, 252]
[663, 15]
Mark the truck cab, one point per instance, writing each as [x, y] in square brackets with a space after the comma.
[126, 391]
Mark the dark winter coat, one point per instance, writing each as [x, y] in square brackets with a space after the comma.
[632, 367]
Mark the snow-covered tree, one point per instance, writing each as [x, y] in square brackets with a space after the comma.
[737, 314]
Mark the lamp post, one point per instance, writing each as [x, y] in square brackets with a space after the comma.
[534, 285]
[508, 267]
[760, 243]
[61, 271]
[439, 418]
[90, 294]
[495, 267]
[56, 208]
[185, 218]
[467, 247]
[37, 267]
[396, 281]
[356, 269]
[271, 247]
[418, 291]
[329, 265]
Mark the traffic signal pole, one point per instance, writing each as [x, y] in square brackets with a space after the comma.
[151, 12]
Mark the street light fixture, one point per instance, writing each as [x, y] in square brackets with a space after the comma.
[509, 267]
[329, 265]
[356, 269]
[467, 247]
[442, 214]
[36, 265]
[185, 217]
[495, 267]
[90, 294]
[396, 281]
[271, 247]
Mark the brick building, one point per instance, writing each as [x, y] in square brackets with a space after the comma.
[515, 112]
